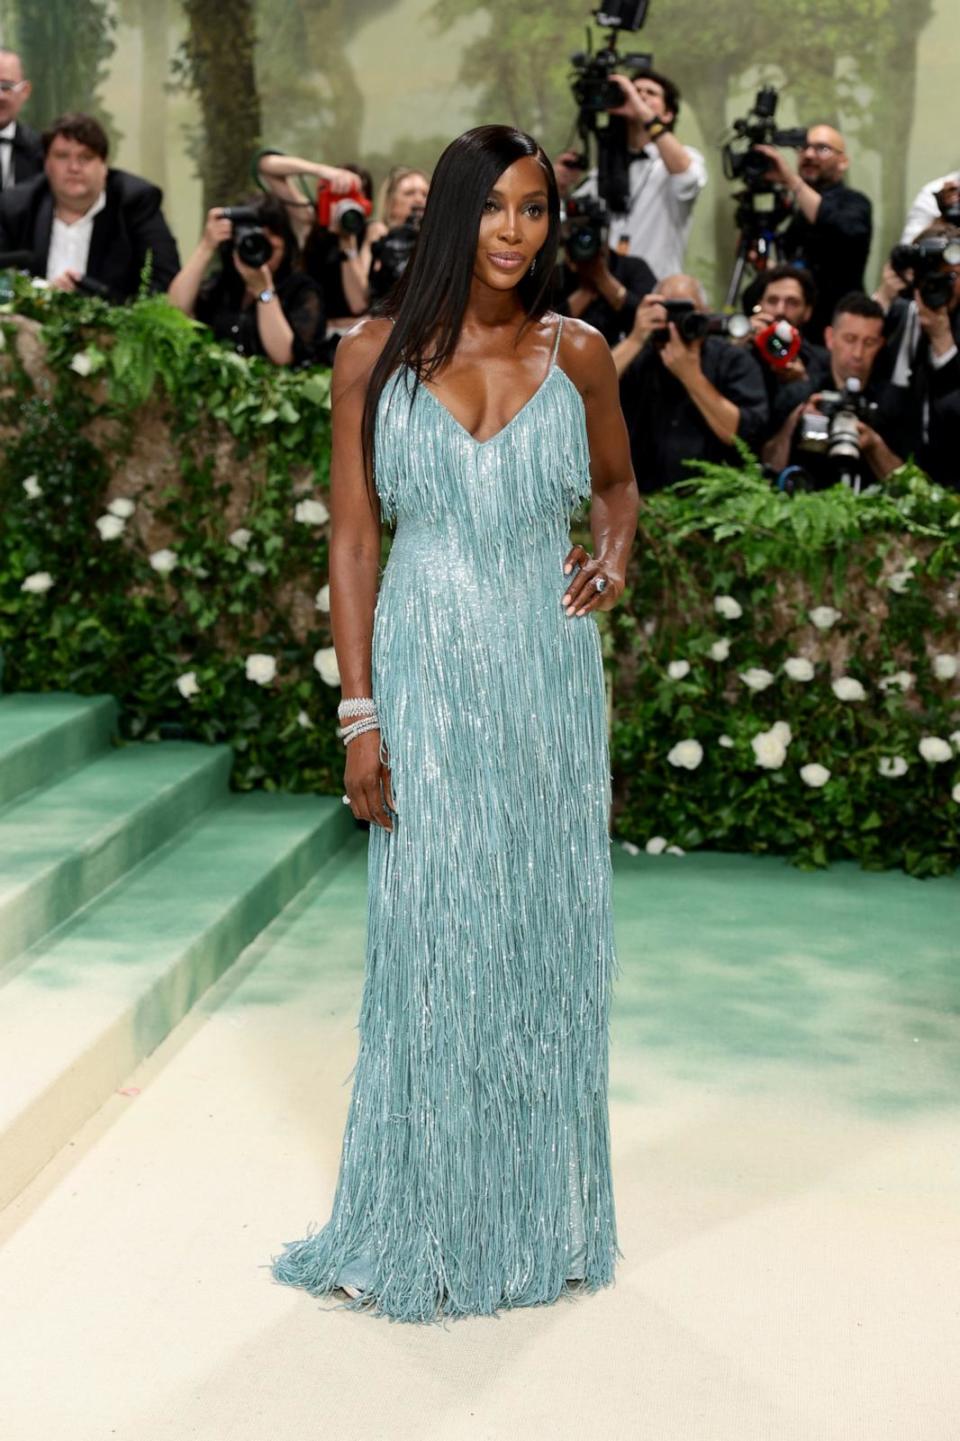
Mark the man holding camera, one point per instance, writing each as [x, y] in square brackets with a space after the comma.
[832, 226]
[938, 199]
[85, 225]
[597, 285]
[800, 450]
[665, 177]
[684, 399]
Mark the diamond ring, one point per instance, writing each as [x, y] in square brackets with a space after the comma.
[345, 800]
[600, 582]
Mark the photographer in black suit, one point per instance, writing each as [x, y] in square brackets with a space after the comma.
[83, 222]
[21, 153]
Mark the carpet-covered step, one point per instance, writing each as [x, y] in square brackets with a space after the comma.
[42, 736]
[100, 994]
[64, 844]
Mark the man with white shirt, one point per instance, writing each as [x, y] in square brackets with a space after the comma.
[926, 207]
[21, 154]
[665, 177]
[84, 222]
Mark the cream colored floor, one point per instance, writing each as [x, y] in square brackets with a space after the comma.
[792, 1248]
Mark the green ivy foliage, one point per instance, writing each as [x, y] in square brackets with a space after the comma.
[888, 562]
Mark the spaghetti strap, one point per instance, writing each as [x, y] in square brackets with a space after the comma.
[556, 341]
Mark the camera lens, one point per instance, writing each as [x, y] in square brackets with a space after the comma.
[253, 247]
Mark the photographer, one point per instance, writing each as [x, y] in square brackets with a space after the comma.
[88, 226]
[593, 284]
[779, 322]
[932, 202]
[684, 399]
[391, 238]
[922, 358]
[267, 309]
[832, 226]
[665, 177]
[854, 341]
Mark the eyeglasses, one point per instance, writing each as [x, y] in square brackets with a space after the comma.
[10, 87]
[820, 147]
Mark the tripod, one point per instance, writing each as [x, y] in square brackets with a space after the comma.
[760, 241]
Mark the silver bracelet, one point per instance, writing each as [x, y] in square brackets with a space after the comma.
[366, 723]
[356, 705]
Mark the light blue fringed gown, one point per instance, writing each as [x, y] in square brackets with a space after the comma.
[475, 1171]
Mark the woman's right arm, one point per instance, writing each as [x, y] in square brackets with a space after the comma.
[185, 285]
[355, 564]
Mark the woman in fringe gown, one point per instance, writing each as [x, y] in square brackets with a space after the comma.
[475, 1170]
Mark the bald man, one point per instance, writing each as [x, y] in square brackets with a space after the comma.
[832, 225]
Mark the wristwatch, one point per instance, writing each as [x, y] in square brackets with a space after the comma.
[266, 295]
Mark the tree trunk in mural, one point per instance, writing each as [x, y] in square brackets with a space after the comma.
[64, 46]
[219, 54]
[154, 69]
[326, 27]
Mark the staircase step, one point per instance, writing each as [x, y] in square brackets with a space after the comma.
[102, 992]
[63, 845]
[41, 736]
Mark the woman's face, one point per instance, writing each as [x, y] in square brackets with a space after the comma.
[513, 225]
[410, 194]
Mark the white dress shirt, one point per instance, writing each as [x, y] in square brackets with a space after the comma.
[925, 210]
[660, 210]
[70, 244]
[6, 154]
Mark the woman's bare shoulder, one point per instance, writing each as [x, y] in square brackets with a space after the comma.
[583, 353]
[359, 350]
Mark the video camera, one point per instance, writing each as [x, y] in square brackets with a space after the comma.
[596, 95]
[921, 266]
[693, 324]
[250, 241]
[741, 161]
[347, 213]
[832, 429]
[584, 227]
[391, 254]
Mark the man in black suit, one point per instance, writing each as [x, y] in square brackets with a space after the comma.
[21, 154]
[82, 221]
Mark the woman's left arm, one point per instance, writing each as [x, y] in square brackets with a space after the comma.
[615, 501]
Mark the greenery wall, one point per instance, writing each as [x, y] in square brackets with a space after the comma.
[783, 670]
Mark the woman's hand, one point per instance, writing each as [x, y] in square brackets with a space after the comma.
[367, 782]
[581, 595]
[256, 278]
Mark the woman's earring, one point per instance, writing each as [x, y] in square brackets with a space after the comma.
[533, 266]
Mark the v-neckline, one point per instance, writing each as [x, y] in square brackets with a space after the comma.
[504, 428]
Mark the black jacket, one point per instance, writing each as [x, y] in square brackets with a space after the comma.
[928, 405]
[128, 229]
[834, 248]
[665, 426]
[26, 156]
[613, 325]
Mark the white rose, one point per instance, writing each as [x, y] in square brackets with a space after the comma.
[769, 749]
[814, 775]
[892, 766]
[122, 507]
[720, 649]
[846, 688]
[899, 581]
[325, 664]
[110, 526]
[630, 848]
[824, 617]
[902, 679]
[304, 720]
[32, 488]
[756, 678]
[656, 845]
[187, 684]
[311, 512]
[38, 583]
[82, 363]
[726, 606]
[675, 851]
[782, 729]
[955, 793]
[677, 669]
[955, 739]
[686, 754]
[649, 627]
[798, 668]
[945, 667]
[163, 561]
[935, 750]
[261, 668]
[726, 741]
[256, 567]
[241, 537]
[322, 598]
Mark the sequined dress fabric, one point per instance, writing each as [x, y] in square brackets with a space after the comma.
[475, 1168]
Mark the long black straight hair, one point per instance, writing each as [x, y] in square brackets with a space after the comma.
[428, 303]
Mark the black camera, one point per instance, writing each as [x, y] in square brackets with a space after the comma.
[832, 429]
[921, 266]
[586, 222]
[740, 160]
[596, 95]
[391, 254]
[693, 324]
[250, 240]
